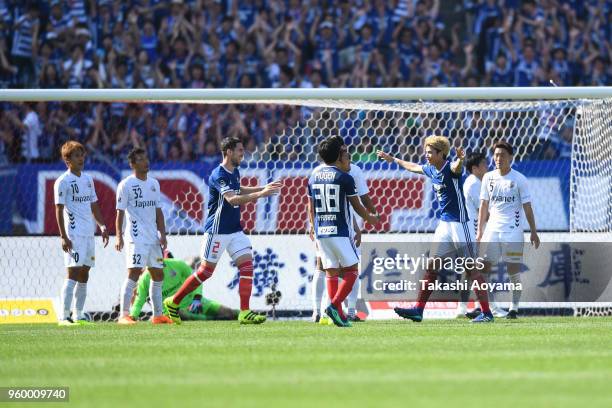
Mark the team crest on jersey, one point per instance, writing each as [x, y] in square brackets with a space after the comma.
[89, 184]
[512, 184]
[222, 183]
[153, 188]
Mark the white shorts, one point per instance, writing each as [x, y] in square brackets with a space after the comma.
[143, 255]
[236, 244]
[504, 246]
[453, 238]
[337, 252]
[83, 253]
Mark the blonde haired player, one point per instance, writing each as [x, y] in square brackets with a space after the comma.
[139, 202]
[504, 194]
[75, 203]
[454, 234]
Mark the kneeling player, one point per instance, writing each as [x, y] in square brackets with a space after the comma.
[331, 189]
[193, 307]
[504, 191]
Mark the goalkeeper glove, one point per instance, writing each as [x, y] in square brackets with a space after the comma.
[195, 306]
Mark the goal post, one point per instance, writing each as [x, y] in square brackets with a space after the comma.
[561, 137]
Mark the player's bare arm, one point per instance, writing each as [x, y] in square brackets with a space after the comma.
[412, 167]
[368, 204]
[483, 213]
[357, 232]
[239, 199]
[95, 210]
[533, 238]
[161, 227]
[457, 165]
[362, 212]
[311, 218]
[119, 229]
[59, 217]
[256, 189]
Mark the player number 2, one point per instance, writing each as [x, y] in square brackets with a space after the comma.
[327, 197]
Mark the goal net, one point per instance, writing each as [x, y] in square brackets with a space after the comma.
[562, 146]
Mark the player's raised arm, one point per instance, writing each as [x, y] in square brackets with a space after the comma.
[239, 199]
[457, 165]
[412, 167]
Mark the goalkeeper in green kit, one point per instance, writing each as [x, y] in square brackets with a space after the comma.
[193, 307]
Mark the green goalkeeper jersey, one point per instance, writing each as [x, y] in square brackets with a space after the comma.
[175, 273]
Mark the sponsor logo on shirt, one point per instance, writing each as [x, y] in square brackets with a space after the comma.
[327, 230]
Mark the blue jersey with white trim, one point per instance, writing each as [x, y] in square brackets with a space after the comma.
[330, 188]
[223, 218]
[449, 192]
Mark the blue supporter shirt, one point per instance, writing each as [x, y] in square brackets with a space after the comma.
[449, 192]
[222, 218]
[330, 188]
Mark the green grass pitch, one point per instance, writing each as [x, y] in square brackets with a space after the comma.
[533, 362]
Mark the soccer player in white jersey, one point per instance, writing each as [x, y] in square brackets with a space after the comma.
[139, 202]
[75, 203]
[504, 195]
[332, 192]
[318, 279]
[453, 235]
[476, 165]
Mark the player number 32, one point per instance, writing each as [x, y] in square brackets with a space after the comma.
[327, 197]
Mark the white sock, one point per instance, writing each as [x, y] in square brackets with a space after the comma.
[127, 291]
[67, 294]
[516, 294]
[351, 300]
[317, 288]
[155, 293]
[80, 294]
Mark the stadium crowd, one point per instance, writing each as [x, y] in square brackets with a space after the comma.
[271, 43]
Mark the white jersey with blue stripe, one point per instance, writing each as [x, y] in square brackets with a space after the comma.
[223, 218]
[449, 192]
[330, 188]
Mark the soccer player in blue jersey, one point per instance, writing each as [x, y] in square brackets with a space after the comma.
[331, 190]
[223, 231]
[454, 234]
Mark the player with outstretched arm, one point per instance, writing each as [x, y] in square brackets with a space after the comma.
[454, 235]
[223, 231]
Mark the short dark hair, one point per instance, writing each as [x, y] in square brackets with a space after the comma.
[337, 139]
[474, 159]
[136, 151]
[502, 144]
[329, 150]
[229, 143]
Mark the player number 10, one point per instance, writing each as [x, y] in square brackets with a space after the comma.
[328, 196]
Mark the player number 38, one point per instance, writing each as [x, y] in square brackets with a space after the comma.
[327, 197]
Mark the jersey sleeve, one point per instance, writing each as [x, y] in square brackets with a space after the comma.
[428, 170]
[484, 191]
[221, 182]
[122, 196]
[523, 188]
[348, 183]
[360, 181]
[94, 196]
[59, 192]
[142, 292]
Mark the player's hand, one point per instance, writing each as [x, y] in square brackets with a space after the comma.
[385, 156]
[105, 237]
[372, 219]
[460, 153]
[270, 189]
[66, 244]
[163, 242]
[358, 238]
[534, 239]
[275, 184]
[119, 243]
[195, 306]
